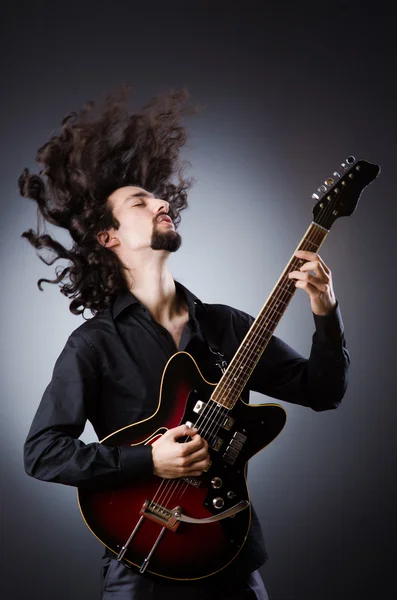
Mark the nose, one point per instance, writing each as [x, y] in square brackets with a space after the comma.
[163, 207]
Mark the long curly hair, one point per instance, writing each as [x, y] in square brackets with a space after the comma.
[95, 153]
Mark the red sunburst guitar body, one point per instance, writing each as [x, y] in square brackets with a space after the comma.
[185, 550]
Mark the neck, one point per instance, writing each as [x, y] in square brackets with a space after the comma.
[154, 286]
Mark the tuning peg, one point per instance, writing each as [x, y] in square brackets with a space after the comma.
[344, 166]
[350, 160]
[329, 181]
[336, 174]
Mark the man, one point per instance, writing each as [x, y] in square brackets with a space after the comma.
[109, 182]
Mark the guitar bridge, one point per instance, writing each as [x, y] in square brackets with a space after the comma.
[160, 515]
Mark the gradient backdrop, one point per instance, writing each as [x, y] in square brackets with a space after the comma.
[291, 90]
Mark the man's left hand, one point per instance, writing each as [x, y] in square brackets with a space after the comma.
[318, 286]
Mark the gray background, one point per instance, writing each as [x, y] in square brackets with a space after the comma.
[291, 90]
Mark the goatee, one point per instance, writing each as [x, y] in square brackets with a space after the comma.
[166, 240]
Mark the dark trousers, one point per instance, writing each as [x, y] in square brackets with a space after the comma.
[121, 583]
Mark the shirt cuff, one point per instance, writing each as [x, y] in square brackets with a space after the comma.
[329, 327]
[136, 462]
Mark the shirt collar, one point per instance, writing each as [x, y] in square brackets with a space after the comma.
[126, 299]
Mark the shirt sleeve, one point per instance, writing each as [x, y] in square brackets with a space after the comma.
[52, 450]
[319, 381]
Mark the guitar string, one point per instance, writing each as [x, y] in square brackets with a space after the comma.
[174, 484]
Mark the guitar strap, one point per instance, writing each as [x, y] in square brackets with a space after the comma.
[208, 335]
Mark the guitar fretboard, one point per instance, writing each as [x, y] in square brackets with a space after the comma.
[237, 374]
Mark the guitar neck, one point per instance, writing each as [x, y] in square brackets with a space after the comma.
[237, 374]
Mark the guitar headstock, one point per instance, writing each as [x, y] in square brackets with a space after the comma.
[338, 196]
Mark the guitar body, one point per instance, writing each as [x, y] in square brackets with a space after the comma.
[189, 550]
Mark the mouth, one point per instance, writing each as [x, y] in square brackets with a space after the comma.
[165, 219]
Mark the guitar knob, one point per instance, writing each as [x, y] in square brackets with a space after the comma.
[322, 189]
[315, 197]
[216, 482]
[336, 174]
[329, 181]
[218, 502]
[350, 160]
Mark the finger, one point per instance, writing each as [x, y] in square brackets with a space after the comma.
[197, 456]
[311, 256]
[197, 443]
[311, 289]
[307, 255]
[198, 467]
[317, 282]
[181, 430]
[317, 267]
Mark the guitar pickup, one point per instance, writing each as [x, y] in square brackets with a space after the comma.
[215, 443]
[228, 423]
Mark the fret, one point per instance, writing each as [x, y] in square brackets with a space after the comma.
[282, 302]
[289, 292]
[274, 310]
[312, 243]
[269, 320]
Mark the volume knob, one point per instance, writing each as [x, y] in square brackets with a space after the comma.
[218, 502]
[216, 482]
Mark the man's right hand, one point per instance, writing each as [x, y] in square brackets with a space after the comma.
[172, 459]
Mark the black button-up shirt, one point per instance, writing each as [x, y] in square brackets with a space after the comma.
[110, 370]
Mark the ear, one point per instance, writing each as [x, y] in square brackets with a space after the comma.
[102, 236]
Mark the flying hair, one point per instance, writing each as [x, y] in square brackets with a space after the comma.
[96, 152]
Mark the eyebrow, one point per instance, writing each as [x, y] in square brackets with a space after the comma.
[141, 194]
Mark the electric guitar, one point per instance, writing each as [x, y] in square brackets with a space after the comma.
[193, 527]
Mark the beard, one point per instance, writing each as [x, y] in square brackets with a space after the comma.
[168, 239]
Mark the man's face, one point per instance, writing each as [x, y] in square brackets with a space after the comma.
[140, 215]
